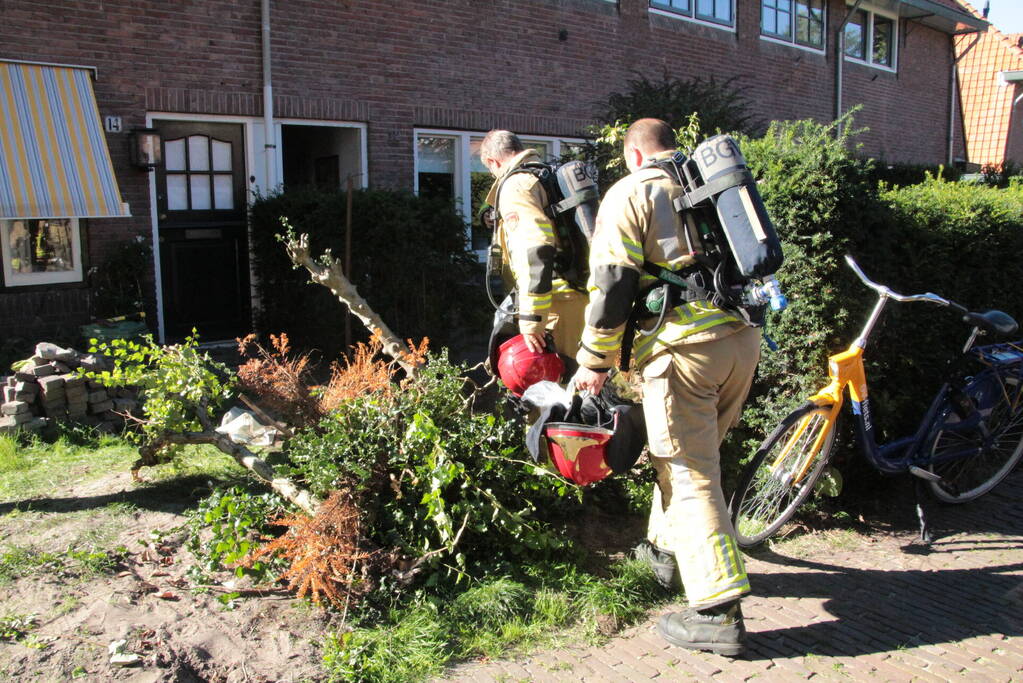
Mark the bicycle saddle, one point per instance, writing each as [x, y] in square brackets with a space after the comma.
[993, 321]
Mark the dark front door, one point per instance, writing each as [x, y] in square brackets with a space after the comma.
[204, 259]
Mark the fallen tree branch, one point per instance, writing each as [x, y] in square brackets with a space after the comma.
[405, 576]
[149, 456]
[327, 271]
[266, 417]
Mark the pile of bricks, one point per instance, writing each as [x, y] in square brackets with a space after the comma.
[46, 387]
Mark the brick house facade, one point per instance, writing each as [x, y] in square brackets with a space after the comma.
[990, 72]
[372, 78]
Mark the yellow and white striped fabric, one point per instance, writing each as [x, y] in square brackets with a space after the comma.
[54, 160]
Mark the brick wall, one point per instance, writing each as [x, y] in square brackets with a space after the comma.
[459, 64]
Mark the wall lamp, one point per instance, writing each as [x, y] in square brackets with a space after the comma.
[146, 148]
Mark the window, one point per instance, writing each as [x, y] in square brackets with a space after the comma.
[199, 174]
[793, 21]
[719, 12]
[448, 165]
[870, 38]
[41, 251]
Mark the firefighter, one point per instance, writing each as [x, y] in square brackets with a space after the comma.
[697, 368]
[526, 236]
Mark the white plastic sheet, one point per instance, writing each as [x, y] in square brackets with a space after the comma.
[546, 394]
[242, 427]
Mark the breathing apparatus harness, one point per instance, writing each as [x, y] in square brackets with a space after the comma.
[737, 244]
[571, 205]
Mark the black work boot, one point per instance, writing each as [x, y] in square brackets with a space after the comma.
[662, 562]
[716, 629]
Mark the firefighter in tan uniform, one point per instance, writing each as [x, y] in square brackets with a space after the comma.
[697, 369]
[526, 236]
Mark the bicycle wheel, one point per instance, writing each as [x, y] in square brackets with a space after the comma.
[999, 399]
[782, 474]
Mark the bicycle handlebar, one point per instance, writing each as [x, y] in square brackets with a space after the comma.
[885, 292]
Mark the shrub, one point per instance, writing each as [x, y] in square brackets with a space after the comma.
[176, 383]
[440, 488]
[236, 519]
[721, 106]
[694, 107]
[956, 239]
[823, 203]
[119, 282]
[902, 174]
[961, 241]
[410, 261]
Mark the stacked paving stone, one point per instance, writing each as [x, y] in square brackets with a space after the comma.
[46, 387]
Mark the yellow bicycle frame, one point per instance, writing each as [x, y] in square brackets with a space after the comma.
[844, 369]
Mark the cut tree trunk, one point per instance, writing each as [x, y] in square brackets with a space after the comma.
[327, 271]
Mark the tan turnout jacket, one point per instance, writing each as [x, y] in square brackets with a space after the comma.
[637, 223]
[526, 236]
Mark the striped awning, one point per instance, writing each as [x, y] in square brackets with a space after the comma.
[54, 161]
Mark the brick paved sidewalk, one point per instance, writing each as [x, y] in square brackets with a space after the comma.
[849, 607]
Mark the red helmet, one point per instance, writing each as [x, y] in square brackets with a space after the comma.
[607, 438]
[577, 450]
[519, 367]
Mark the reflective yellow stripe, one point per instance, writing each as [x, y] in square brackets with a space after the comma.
[634, 249]
[559, 286]
[736, 588]
[689, 323]
[609, 343]
[536, 303]
[546, 228]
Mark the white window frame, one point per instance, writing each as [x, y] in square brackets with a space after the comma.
[12, 279]
[691, 15]
[791, 41]
[463, 182]
[871, 11]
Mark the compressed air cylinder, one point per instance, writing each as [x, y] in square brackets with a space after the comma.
[740, 209]
[577, 183]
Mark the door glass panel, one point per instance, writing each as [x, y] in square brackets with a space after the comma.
[198, 153]
[221, 156]
[177, 194]
[200, 185]
[174, 155]
[223, 192]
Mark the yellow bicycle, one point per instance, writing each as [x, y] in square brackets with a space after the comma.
[969, 440]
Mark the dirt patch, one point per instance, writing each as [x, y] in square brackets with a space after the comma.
[180, 632]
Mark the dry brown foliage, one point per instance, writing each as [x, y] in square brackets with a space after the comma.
[365, 372]
[279, 383]
[326, 561]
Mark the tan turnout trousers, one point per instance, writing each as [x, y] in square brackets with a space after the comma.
[692, 396]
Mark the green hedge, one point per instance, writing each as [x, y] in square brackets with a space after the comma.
[410, 261]
[959, 240]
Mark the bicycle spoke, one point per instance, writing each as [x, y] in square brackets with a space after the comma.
[782, 475]
[975, 460]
